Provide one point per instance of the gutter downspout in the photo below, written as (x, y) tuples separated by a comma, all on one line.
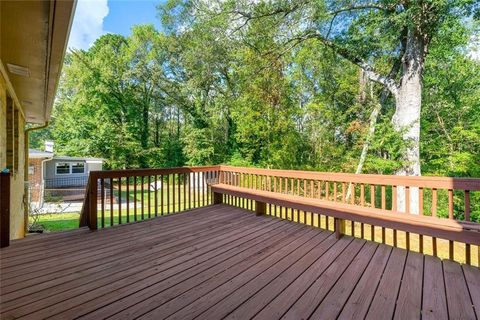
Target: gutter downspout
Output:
[(26, 200)]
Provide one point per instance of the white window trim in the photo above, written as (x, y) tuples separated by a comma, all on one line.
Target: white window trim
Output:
[(70, 168), (84, 167), (63, 174)]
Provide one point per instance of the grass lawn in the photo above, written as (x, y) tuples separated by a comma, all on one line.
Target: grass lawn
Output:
[(59, 221)]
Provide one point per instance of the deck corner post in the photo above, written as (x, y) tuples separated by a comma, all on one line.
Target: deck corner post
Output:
[(260, 208), (92, 210), (217, 198), (339, 228)]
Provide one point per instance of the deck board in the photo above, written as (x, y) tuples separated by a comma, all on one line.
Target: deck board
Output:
[(224, 262)]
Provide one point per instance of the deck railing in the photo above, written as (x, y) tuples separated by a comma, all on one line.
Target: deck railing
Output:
[(115, 197), (123, 196)]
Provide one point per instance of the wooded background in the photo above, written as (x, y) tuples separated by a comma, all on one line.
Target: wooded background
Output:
[(277, 84)]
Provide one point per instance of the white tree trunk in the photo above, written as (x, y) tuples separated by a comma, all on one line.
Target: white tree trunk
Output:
[(407, 117)]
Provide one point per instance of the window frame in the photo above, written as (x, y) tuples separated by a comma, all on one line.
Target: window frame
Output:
[(76, 163), (57, 164)]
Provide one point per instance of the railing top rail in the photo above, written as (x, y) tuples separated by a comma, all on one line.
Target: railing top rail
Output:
[(472, 184), (149, 172)]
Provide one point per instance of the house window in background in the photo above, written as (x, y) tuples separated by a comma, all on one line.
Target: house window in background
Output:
[(62, 168), (78, 167)]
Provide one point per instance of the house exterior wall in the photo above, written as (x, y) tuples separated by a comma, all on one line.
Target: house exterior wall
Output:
[(17, 208), (17, 191), (94, 167), (3, 123)]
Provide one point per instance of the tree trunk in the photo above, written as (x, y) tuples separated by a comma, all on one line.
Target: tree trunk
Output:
[(406, 119), (371, 128)]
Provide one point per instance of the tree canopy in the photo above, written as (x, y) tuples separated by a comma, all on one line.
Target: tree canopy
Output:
[(278, 84)]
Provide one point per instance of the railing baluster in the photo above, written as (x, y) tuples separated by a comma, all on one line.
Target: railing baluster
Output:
[(168, 194), (362, 203), (120, 200), (450, 216), (407, 211), (362, 194), (102, 199), (394, 198), (384, 201), (203, 189), (162, 187), (194, 185), (352, 194), (420, 212), (135, 198), (155, 196), (149, 192), (127, 197), (185, 191), (142, 196), (335, 191), (173, 193), (434, 214), (352, 202), (111, 202), (467, 218)]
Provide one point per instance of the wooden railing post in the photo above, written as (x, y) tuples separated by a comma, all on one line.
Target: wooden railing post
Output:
[(4, 209), (217, 198), (339, 228), (92, 203), (260, 208)]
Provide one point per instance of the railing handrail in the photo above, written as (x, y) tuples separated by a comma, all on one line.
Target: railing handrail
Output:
[(472, 184), (125, 173)]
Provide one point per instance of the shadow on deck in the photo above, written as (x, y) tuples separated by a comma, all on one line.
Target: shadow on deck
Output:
[(224, 262)]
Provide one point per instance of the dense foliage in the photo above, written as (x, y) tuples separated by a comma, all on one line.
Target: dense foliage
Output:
[(214, 89)]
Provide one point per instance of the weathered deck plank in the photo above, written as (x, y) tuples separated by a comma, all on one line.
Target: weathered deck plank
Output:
[(223, 262), (434, 300)]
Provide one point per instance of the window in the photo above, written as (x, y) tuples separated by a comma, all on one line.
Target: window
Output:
[(10, 135), (78, 167), (13, 131), (16, 143), (69, 167), (62, 168)]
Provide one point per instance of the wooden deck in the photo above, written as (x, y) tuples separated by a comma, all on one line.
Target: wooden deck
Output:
[(223, 262)]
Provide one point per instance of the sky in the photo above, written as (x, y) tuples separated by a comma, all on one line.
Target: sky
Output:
[(94, 18)]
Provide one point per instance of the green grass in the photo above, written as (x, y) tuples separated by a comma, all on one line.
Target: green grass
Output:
[(59, 221), (66, 221)]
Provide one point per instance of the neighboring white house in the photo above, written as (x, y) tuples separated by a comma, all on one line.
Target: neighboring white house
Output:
[(48, 171)]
